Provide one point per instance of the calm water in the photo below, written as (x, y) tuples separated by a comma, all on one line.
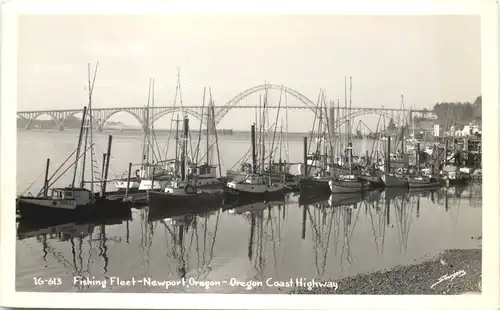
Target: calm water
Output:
[(279, 241)]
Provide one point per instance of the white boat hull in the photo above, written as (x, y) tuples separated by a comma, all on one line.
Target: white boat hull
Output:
[(122, 185)]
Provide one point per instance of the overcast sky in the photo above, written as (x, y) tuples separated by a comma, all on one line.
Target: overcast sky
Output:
[(426, 58)]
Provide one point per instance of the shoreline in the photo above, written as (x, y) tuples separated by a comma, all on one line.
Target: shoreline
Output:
[(463, 266)]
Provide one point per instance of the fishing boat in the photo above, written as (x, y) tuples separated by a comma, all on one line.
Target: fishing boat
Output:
[(153, 172), (65, 203), (184, 192), (314, 185), (277, 174), (423, 181), (255, 186), (394, 180), (347, 184), (315, 162), (389, 178), (373, 178)]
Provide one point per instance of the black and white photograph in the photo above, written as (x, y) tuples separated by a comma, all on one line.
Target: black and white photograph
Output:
[(255, 154)]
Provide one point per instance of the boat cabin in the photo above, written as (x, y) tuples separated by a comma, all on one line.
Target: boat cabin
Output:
[(203, 171), (177, 187), (312, 157), (81, 195), (254, 179)]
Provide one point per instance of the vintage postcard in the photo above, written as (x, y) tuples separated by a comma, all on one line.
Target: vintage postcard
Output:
[(215, 155)]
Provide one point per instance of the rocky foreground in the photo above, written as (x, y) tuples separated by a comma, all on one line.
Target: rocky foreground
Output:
[(462, 269)]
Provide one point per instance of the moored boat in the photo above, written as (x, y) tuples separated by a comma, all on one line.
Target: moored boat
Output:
[(374, 180), (393, 180), (423, 181), (347, 184), (314, 185), (254, 186), (68, 204)]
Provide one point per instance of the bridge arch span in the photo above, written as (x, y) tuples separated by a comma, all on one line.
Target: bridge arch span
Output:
[(343, 120), (53, 117), (103, 121), (173, 110), (61, 124), (237, 99)]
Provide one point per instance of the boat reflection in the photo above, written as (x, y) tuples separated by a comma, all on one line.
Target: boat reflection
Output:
[(76, 234)]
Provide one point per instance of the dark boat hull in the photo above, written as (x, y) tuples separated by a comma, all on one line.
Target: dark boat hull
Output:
[(347, 186), (375, 181), (315, 186), (232, 194), (394, 181), (102, 208), (425, 183)]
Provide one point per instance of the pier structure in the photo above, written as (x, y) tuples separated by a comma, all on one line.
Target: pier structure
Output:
[(101, 115)]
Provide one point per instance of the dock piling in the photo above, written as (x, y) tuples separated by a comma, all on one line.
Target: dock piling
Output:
[(106, 169), (305, 157), (46, 180), (128, 179)]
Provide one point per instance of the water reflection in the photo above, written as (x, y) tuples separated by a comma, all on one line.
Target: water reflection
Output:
[(336, 236)]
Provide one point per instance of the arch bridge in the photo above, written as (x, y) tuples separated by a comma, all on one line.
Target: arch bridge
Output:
[(102, 115)]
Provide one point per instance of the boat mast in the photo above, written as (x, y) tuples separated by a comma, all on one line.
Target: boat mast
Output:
[(78, 147), (184, 148), (349, 126), (176, 162), (254, 155), (208, 128), (212, 110)]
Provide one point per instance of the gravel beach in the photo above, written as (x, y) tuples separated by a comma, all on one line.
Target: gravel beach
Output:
[(462, 266)]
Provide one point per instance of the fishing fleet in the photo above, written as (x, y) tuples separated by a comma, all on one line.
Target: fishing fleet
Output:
[(193, 180)]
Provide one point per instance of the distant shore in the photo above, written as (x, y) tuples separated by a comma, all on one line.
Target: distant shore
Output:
[(463, 268)]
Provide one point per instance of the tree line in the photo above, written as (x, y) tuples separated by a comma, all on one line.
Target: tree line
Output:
[(456, 114)]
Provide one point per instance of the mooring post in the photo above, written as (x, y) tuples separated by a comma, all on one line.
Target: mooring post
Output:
[(304, 220), (103, 188), (46, 180), (305, 157), (108, 155), (128, 179)]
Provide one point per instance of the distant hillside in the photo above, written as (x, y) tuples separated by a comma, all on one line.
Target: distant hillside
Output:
[(71, 122)]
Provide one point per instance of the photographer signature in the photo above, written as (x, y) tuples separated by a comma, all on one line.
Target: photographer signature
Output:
[(450, 277)]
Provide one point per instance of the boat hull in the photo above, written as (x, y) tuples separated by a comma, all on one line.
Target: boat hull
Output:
[(121, 185), (424, 183), (394, 181), (315, 186), (102, 208), (232, 194), (239, 176), (375, 181), (347, 186)]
